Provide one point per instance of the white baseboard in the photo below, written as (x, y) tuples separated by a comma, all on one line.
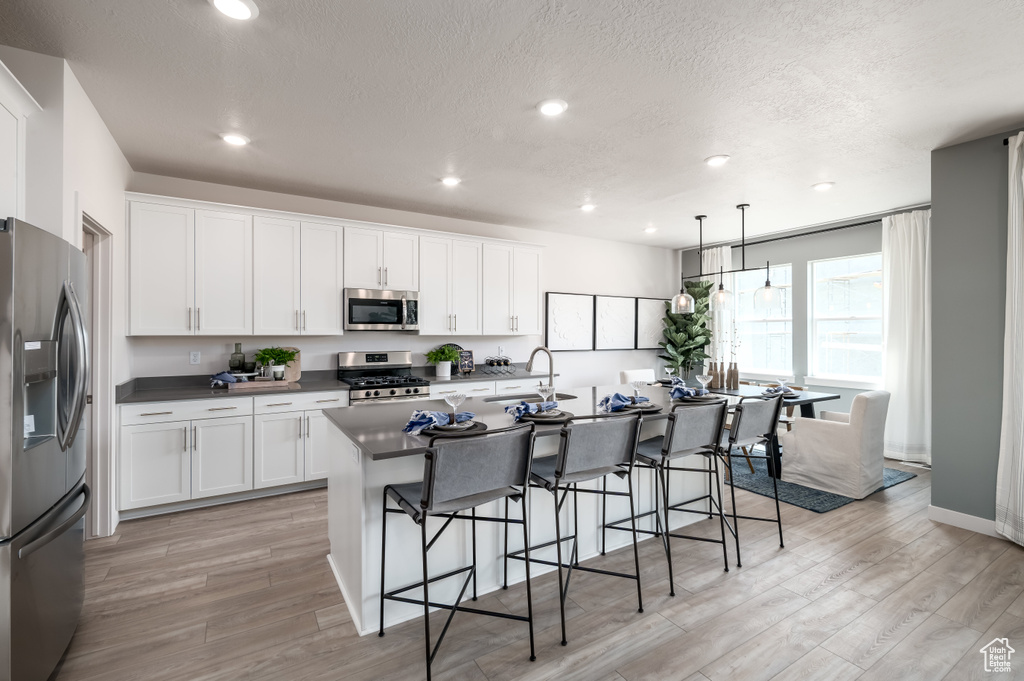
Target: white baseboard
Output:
[(357, 619), (962, 520)]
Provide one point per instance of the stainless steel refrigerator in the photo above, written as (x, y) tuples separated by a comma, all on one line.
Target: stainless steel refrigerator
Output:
[(44, 376)]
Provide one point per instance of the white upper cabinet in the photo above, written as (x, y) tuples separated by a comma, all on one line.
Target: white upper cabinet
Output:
[(512, 295), (435, 314), (16, 105), (322, 281), (526, 294), (497, 313), (277, 269), (161, 270), (401, 261), (364, 258), (467, 287), (223, 273), (381, 259)]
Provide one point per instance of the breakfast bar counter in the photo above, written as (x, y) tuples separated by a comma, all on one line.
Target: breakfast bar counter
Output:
[(368, 451)]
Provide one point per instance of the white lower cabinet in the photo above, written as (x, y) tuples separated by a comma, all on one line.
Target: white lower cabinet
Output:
[(278, 452), (221, 456), (317, 452), (156, 464)]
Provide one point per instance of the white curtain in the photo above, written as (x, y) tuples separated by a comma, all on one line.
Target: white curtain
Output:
[(712, 261), (906, 277), (1010, 476)]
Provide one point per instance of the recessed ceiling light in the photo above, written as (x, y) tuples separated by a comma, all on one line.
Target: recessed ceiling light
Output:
[(450, 181), (237, 9), (235, 139), (719, 160), (587, 207), (553, 107), (823, 186), (651, 229)]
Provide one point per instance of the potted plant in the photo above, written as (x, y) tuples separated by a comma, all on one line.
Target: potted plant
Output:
[(276, 357), (442, 357), (688, 335)]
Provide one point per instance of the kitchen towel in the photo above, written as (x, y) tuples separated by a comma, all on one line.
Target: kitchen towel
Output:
[(223, 378), (422, 419), (678, 392), (617, 402), (518, 410)]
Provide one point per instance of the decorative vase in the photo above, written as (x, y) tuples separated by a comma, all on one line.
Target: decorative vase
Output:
[(723, 375), (237, 360), (293, 372), (443, 369), (734, 376), (714, 375)]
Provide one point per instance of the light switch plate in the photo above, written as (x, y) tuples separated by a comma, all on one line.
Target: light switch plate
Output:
[(193, 357)]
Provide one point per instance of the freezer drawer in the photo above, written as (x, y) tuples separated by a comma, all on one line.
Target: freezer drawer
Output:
[(41, 590)]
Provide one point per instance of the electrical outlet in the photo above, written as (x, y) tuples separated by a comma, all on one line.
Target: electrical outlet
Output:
[(193, 357)]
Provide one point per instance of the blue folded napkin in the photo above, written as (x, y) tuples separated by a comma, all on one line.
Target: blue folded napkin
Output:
[(422, 419), (680, 391), (778, 390), (223, 378), (519, 410), (618, 402), (678, 382)]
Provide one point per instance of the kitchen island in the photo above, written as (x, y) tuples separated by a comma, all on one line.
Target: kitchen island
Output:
[(368, 450)]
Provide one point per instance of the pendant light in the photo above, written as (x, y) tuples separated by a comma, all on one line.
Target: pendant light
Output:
[(683, 303), (721, 300), (768, 297)]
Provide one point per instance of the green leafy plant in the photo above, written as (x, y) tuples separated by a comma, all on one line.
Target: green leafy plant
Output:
[(443, 353), (279, 356), (688, 335)]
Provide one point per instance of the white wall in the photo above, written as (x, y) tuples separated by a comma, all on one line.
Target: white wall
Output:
[(570, 264)]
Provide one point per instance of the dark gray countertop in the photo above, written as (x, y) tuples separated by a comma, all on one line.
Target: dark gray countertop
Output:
[(377, 428), (174, 388)]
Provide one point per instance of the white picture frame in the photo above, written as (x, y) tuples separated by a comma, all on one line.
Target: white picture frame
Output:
[(649, 325), (614, 323), (570, 322)]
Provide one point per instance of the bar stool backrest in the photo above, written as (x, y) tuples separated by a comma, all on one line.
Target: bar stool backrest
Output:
[(592, 447), (755, 420), (464, 467), (695, 427)]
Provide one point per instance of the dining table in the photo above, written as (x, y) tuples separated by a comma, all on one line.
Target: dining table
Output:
[(805, 399)]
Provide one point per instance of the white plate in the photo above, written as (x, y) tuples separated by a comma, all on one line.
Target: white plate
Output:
[(550, 414), (456, 427)]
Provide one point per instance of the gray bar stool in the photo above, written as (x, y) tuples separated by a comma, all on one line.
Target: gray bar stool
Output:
[(753, 423), (460, 474), (590, 448), (691, 430)]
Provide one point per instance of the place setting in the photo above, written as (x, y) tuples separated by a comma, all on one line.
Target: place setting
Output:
[(617, 402), (448, 424), (544, 412), (781, 389), (680, 392)]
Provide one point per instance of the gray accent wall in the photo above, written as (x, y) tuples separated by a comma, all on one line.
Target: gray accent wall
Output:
[(969, 204), (798, 252)]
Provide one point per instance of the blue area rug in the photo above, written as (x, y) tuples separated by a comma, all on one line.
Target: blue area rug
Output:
[(815, 500)]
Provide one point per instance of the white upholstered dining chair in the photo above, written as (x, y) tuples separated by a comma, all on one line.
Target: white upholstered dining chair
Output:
[(630, 375), (837, 452)]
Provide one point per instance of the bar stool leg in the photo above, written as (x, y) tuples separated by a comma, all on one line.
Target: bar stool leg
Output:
[(529, 592), (636, 551), (575, 559), (710, 508), (604, 510), (558, 552), (426, 594), (473, 523), (735, 520), (775, 484), (667, 535), (505, 560), (383, 548), (721, 510)]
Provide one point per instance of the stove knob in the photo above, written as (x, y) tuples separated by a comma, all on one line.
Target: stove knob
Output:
[(416, 390), (368, 394), (408, 391), (393, 391), (376, 393)]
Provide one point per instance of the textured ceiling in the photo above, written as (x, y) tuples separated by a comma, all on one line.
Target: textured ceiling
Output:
[(372, 101)]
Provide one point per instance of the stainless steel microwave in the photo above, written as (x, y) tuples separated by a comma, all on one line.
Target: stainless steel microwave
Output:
[(373, 310)]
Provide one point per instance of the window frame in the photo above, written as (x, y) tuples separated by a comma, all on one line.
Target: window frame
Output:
[(766, 373)]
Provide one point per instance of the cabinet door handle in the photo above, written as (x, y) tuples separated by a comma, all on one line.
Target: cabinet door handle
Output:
[(512, 387), (307, 426), (511, 323), (480, 390), (275, 404), (385, 276), (296, 320), (378, 276), (197, 320), (190, 319), (221, 408), (456, 321), (300, 427), (193, 438), (303, 320), (446, 392), (184, 439), (336, 399), (156, 413)]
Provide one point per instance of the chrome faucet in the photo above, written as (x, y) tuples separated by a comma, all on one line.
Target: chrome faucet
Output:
[(551, 363)]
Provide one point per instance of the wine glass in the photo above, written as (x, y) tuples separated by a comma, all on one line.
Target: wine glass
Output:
[(782, 384), (545, 391), (454, 401), (704, 380), (668, 372), (637, 385)]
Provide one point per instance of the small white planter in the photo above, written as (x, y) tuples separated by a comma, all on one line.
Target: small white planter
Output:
[(443, 369)]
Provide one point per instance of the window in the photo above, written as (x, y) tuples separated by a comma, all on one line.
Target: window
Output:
[(846, 318), (765, 338)]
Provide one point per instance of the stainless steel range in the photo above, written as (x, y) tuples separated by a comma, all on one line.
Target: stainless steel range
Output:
[(381, 376)]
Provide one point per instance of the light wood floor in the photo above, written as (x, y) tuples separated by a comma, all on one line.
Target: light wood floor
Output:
[(873, 590)]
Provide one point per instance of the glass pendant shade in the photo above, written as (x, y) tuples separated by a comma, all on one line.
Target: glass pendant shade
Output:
[(768, 297), (721, 299), (683, 303)]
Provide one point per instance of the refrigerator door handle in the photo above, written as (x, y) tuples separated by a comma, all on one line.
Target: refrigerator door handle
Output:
[(78, 395), (52, 534)]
